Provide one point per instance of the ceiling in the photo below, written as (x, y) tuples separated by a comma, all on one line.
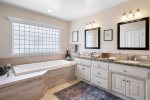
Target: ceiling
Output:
[(65, 9)]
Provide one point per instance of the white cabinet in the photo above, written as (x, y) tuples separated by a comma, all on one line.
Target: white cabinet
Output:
[(83, 72), (135, 88), (99, 74), (99, 82), (118, 83), (131, 87)]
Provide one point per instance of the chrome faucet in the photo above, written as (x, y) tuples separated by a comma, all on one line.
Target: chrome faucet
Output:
[(92, 54)]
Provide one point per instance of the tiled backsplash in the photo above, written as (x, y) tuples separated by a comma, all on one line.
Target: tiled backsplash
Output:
[(30, 59)]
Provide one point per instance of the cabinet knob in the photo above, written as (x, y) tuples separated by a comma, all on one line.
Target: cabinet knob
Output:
[(125, 71), (99, 73), (98, 82), (123, 80)]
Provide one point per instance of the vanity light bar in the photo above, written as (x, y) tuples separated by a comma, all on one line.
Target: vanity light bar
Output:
[(131, 15)]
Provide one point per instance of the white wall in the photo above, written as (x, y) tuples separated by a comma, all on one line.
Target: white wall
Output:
[(108, 19), (6, 30)]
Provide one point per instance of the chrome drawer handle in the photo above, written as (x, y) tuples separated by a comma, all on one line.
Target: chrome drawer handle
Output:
[(128, 81), (98, 82), (83, 68), (125, 71), (99, 73)]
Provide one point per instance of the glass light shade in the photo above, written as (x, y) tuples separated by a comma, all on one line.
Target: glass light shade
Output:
[(138, 13), (90, 25), (94, 24), (130, 16), (124, 17), (87, 26)]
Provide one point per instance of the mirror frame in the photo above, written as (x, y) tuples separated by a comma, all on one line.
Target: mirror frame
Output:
[(146, 32), (97, 41)]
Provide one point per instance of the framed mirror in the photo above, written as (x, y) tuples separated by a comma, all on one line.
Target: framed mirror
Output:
[(92, 38), (134, 35)]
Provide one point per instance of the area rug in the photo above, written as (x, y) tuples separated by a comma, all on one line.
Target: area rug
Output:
[(84, 91)]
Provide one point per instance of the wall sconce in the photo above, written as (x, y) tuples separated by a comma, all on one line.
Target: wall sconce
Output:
[(131, 15), (91, 24)]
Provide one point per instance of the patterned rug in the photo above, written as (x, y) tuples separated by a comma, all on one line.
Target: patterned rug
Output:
[(84, 91)]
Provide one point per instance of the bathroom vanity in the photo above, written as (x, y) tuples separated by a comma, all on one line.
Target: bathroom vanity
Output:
[(128, 80)]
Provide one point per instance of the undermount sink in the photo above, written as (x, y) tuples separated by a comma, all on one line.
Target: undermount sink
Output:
[(128, 61)]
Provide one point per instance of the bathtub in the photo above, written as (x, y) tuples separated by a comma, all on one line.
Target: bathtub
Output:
[(40, 66)]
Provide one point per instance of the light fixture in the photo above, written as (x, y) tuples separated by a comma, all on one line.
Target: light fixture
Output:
[(91, 24), (138, 13), (87, 26), (49, 10), (124, 17), (130, 16)]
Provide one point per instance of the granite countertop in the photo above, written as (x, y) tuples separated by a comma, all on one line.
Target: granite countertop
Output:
[(139, 64)]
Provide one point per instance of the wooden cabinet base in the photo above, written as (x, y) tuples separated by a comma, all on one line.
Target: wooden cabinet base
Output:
[(35, 88)]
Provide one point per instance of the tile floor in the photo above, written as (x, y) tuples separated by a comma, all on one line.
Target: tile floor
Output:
[(50, 93)]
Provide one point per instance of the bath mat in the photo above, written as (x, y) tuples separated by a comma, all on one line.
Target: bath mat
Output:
[(84, 91)]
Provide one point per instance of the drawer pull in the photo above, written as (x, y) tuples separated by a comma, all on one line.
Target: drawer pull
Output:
[(125, 71), (99, 73), (83, 68), (123, 80), (128, 81), (98, 82)]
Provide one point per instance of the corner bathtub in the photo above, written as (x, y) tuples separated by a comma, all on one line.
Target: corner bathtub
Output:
[(35, 67)]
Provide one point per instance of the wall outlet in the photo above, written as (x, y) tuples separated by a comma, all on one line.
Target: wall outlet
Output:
[(144, 57)]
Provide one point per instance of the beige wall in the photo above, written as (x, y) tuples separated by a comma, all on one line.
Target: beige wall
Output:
[(108, 19), (6, 30)]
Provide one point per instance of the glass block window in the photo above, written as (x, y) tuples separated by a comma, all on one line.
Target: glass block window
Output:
[(34, 39)]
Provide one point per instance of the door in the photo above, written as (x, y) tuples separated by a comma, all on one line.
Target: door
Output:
[(135, 88), (118, 83)]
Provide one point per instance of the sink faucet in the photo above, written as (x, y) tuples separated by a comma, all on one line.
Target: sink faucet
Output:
[(131, 57), (92, 54)]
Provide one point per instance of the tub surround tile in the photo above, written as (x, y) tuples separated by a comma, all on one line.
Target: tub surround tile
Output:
[(30, 59), (12, 79)]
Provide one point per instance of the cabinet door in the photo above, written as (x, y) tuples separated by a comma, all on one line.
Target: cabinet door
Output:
[(135, 88), (80, 71), (83, 72), (87, 73), (118, 83)]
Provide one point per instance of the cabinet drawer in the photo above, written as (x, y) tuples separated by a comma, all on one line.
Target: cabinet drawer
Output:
[(101, 65), (99, 82), (130, 70), (99, 73), (83, 61)]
